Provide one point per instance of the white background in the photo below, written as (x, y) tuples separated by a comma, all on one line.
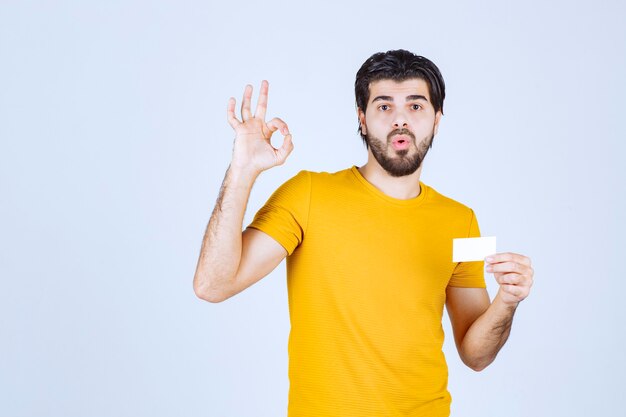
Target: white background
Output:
[(114, 143)]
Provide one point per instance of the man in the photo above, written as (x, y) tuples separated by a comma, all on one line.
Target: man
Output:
[(369, 255)]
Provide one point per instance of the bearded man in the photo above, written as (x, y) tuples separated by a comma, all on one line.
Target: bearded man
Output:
[(369, 255)]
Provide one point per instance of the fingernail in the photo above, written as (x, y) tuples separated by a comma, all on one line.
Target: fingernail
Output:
[(488, 259)]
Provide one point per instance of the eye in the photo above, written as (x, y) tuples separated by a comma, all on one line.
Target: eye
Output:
[(384, 107), (416, 106)]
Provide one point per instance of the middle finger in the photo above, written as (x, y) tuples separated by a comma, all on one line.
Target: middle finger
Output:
[(261, 106), (245, 103)]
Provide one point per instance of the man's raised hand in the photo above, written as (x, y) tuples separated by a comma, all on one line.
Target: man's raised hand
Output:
[(253, 151)]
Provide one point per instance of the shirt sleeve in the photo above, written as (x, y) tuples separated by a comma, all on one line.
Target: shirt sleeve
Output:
[(284, 216), (469, 274)]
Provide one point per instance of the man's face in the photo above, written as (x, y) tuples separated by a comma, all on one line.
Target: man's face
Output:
[(399, 124)]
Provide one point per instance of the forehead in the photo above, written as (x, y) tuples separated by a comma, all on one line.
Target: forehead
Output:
[(398, 89)]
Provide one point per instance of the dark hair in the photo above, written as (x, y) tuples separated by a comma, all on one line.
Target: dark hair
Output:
[(398, 65)]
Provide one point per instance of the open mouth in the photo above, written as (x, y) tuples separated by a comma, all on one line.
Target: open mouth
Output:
[(400, 142)]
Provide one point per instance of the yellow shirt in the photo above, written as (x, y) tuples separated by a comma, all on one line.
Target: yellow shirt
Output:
[(367, 277)]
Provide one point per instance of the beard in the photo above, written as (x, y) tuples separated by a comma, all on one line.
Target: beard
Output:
[(402, 163)]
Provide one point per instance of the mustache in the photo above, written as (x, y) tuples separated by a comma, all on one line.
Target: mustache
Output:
[(405, 132)]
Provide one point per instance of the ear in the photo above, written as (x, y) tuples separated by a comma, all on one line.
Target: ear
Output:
[(437, 119), (361, 117)]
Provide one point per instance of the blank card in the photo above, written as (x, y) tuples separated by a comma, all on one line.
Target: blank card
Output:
[(473, 248)]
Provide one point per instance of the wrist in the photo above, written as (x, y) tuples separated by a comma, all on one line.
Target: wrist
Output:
[(242, 173), (504, 304)]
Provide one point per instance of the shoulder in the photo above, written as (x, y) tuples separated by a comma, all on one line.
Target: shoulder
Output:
[(321, 178), (300, 186), (329, 176), (457, 217), (446, 204)]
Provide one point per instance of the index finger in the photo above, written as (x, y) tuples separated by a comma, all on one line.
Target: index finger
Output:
[(261, 105), (508, 257)]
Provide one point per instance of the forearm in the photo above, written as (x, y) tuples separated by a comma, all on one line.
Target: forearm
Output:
[(220, 258), (220, 254), (487, 334)]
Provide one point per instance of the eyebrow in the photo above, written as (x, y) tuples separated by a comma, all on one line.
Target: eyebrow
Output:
[(408, 98)]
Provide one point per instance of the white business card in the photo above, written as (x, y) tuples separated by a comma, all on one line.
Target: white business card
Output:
[(473, 248)]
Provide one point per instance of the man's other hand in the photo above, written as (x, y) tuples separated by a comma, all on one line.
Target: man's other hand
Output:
[(514, 274)]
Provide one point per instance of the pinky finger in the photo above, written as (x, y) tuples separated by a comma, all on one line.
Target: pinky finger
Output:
[(230, 114)]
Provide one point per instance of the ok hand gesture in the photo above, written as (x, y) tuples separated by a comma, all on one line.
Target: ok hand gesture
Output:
[(253, 151)]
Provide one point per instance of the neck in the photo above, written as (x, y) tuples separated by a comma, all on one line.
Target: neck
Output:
[(402, 188)]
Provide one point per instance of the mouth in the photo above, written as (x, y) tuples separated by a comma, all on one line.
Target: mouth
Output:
[(401, 142)]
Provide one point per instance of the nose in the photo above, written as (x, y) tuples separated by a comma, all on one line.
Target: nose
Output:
[(400, 120)]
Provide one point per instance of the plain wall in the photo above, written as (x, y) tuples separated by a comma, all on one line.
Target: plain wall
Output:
[(114, 142)]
